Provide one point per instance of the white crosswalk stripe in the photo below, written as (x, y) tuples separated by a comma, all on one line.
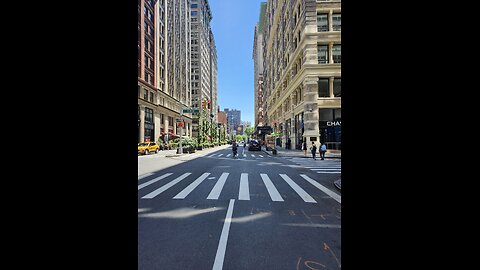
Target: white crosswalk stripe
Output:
[(220, 155), (319, 166), (153, 181), (252, 155), (243, 188), (191, 187), (145, 175), (228, 155), (261, 156), (330, 193), (244, 192), (217, 189), (276, 197), (153, 194), (302, 193)]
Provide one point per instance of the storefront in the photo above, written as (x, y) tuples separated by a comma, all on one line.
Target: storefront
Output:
[(330, 126)]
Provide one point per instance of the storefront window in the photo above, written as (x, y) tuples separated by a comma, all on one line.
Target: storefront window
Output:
[(330, 127), (337, 87)]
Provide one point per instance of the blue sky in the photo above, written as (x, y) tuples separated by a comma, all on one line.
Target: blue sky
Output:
[(233, 24)]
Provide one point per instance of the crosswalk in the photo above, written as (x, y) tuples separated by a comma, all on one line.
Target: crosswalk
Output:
[(239, 155), (319, 166), (243, 181)]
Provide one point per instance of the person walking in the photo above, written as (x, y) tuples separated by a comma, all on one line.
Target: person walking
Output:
[(234, 149), (323, 150), (313, 148), (304, 148)]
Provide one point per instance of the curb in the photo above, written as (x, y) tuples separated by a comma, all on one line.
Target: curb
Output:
[(338, 184)]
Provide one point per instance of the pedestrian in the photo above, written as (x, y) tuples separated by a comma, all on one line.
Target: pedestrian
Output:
[(313, 148), (289, 143), (234, 148), (323, 150), (304, 148)]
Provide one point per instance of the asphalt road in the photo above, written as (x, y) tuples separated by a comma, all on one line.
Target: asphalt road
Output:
[(250, 212)]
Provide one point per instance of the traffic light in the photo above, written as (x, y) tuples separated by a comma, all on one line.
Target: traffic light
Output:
[(208, 105), (204, 104)]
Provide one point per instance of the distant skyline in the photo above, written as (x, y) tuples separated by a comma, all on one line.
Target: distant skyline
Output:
[(233, 25)]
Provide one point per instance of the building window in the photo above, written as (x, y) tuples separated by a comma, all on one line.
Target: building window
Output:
[(194, 13), (139, 91), (337, 87), (148, 115), (151, 97), (322, 22), (337, 21), (145, 94), (170, 121), (162, 118), (323, 88), (194, 5), (337, 53), (322, 54)]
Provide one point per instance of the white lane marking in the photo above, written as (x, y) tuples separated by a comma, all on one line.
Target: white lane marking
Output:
[(260, 155), (326, 169), (302, 193), (252, 155), (317, 167), (220, 155), (153, 180), (330, 226), (228, 155), (244, 155), (276, 197), (166, 186), (212, 155), (222, 244), (191, 187), (145, 175), (217, 189), (329, 172), (330, 193), (244, 193)]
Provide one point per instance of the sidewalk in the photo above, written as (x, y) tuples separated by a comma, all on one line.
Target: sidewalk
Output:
[(282, 152), (173, 153)]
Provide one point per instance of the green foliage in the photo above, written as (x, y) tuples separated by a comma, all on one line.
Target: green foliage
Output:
[(249, 131)]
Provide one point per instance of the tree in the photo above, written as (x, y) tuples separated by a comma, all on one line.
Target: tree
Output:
[(249, 131)]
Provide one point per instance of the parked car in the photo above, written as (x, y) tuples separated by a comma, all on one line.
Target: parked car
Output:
[(146, 147), (254, 145)]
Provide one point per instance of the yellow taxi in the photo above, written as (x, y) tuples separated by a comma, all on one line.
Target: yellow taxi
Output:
[(146, 148)]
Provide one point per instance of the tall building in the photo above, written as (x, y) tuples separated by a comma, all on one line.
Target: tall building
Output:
[(233, 119), (213, 78), (204, 62), (163, 68), (178, 58), (302, 70), (258, 67)]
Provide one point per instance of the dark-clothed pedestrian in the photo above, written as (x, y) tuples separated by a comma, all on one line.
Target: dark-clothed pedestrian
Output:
[(234, 149), (304, 148), (313, 148)]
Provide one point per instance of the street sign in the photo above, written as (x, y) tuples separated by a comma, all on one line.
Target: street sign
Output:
[(179, 120)]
